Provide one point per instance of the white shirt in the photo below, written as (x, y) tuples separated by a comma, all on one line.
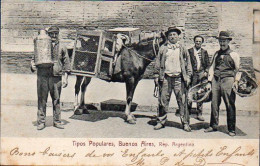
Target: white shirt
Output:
[(172, 62), (196, 54)]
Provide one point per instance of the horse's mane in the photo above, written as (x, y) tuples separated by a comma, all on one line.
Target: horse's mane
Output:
[(142, 44)]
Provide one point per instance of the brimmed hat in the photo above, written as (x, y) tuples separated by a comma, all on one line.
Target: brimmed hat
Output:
[(53, 29), (224, 35), (173, 29)]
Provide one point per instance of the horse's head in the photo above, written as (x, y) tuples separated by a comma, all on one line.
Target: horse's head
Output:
[(121, 40), (155, 39), (159, 39), (148, 45)]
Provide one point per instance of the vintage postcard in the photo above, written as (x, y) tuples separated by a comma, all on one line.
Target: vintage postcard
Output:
[(130, 83)]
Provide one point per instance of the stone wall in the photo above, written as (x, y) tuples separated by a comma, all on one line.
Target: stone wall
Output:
[(22, 19)]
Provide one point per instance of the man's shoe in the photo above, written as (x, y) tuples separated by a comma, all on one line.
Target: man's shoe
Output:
[(41, 126), (187, 128), (232, 134), (200, 118), (158, 126), (210, 129), (59, 126)]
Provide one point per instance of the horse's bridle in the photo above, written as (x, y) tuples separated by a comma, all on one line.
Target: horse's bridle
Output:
[(155, 42)]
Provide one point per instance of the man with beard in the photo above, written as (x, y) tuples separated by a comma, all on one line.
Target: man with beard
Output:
[(49, 79)]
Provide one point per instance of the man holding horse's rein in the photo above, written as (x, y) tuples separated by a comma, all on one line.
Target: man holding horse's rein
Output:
[(173, 71), (49, 79)]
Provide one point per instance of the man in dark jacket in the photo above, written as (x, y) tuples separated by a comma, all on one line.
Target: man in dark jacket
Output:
[(173, 72), (49, 79), (200, 65), (223, 75)]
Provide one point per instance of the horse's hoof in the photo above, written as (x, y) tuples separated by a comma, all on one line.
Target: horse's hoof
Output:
[(131, 121), (77, 112), (133, 117)]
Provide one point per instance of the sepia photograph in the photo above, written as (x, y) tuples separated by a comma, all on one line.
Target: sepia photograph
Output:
[(130, 83)]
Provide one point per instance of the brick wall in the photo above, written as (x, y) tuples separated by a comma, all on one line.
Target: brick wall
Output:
[(21, 20)]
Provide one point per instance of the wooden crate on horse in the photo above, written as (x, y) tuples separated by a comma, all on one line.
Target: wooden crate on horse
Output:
[(93, 54), (132, 33)]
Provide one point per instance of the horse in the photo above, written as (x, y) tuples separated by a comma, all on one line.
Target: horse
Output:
[(134, 60)]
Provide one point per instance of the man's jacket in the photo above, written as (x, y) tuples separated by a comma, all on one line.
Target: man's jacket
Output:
[(186, 68), (236, 60), (204, 60)]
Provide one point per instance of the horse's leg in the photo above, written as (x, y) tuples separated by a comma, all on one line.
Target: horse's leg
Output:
[(77, 89), (130, 88), (86, 81)]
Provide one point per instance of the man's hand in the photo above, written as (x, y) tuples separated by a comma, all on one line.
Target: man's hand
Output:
[(235, 84)]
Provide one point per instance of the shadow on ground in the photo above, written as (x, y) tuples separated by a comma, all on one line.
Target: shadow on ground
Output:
[(196, 126), (96, 115), (223, 129)]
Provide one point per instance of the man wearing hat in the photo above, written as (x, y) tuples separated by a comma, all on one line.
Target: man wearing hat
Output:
[(49, 79), (173, 71), (200, 65), (223, 75)]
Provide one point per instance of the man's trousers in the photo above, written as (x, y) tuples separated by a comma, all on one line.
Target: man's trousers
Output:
[(196, 79), (177, 85), (46, 83), (223, 87)]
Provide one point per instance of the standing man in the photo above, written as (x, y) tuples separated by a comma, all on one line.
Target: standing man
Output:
[(49, 79), (223, 75), (173, 72), (200, 66)]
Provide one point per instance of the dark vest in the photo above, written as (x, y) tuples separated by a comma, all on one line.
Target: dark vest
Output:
[(224, 65), (55, 51)]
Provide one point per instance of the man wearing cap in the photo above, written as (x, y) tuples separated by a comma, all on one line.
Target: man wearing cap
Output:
[(173, 71), (49, 79), (200, 65), (223, 75)]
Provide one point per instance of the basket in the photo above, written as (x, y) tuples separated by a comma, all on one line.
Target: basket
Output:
[(247, 86), (199, 93)]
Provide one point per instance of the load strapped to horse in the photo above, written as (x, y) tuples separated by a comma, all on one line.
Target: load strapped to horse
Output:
[(92, 54), (96, 52)]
